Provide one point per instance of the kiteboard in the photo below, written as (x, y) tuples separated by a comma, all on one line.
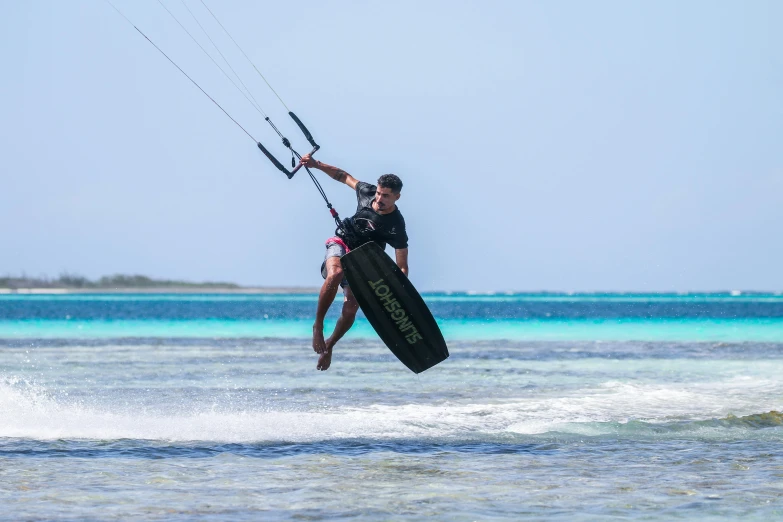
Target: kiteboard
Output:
[(394, 308)]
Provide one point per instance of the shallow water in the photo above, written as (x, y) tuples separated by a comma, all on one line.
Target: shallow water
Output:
[(608, 407)]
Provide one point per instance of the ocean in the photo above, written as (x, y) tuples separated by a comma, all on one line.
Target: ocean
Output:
[(551, 407)]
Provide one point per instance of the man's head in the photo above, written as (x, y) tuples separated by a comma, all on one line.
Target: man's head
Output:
[(388, 192)]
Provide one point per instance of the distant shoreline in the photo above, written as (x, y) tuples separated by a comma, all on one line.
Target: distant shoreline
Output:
[(304, 290), (163, 290)]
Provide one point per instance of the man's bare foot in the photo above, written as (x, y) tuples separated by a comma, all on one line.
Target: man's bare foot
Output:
[(319, 344), (324, 361)]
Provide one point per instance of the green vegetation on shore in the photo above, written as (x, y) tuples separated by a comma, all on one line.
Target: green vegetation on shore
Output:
[(106, 282)]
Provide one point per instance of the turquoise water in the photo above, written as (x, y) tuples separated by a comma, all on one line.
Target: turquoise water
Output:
[(728, 330), (556, 407), (643, 317)]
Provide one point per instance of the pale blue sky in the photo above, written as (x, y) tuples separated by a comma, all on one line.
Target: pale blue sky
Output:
[(579, 146)]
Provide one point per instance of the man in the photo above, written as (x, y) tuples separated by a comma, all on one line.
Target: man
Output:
[(377, 219)]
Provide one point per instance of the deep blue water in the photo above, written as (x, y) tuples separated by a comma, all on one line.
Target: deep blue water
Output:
[(443, 306)]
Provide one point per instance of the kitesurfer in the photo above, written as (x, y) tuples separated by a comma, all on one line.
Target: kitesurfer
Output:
[(377, 219), (403, 322)]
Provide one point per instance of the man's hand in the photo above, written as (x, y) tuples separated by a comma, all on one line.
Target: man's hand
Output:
[(333, 172), (308, 161)]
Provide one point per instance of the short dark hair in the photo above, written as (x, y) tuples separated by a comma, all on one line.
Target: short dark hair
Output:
[(390, 181)]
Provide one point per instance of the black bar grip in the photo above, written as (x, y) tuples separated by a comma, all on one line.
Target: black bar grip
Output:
[(279, 165), (304, 130)]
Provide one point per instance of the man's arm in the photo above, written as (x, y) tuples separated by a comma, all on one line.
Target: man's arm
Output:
[(333, 172), (402, 259)]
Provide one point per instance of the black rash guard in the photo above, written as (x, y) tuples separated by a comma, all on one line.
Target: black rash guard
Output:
[(368, 225)]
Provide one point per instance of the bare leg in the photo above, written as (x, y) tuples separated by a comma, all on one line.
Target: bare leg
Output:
[(344, 323), (334, 274)]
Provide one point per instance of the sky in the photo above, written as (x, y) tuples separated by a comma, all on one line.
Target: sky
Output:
[(543, 145)]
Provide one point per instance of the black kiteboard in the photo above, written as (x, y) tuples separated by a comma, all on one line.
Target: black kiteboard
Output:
[(394, 308)]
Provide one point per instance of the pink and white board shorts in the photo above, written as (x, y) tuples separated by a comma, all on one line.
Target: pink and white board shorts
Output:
[(335, 247)]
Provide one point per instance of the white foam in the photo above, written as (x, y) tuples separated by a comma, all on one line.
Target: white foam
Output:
[(30, 412), (618, 402)]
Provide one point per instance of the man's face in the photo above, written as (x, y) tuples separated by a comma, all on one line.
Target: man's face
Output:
[(385, 198)]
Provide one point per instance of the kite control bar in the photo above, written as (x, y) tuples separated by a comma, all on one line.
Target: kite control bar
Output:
[(294, 165)]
